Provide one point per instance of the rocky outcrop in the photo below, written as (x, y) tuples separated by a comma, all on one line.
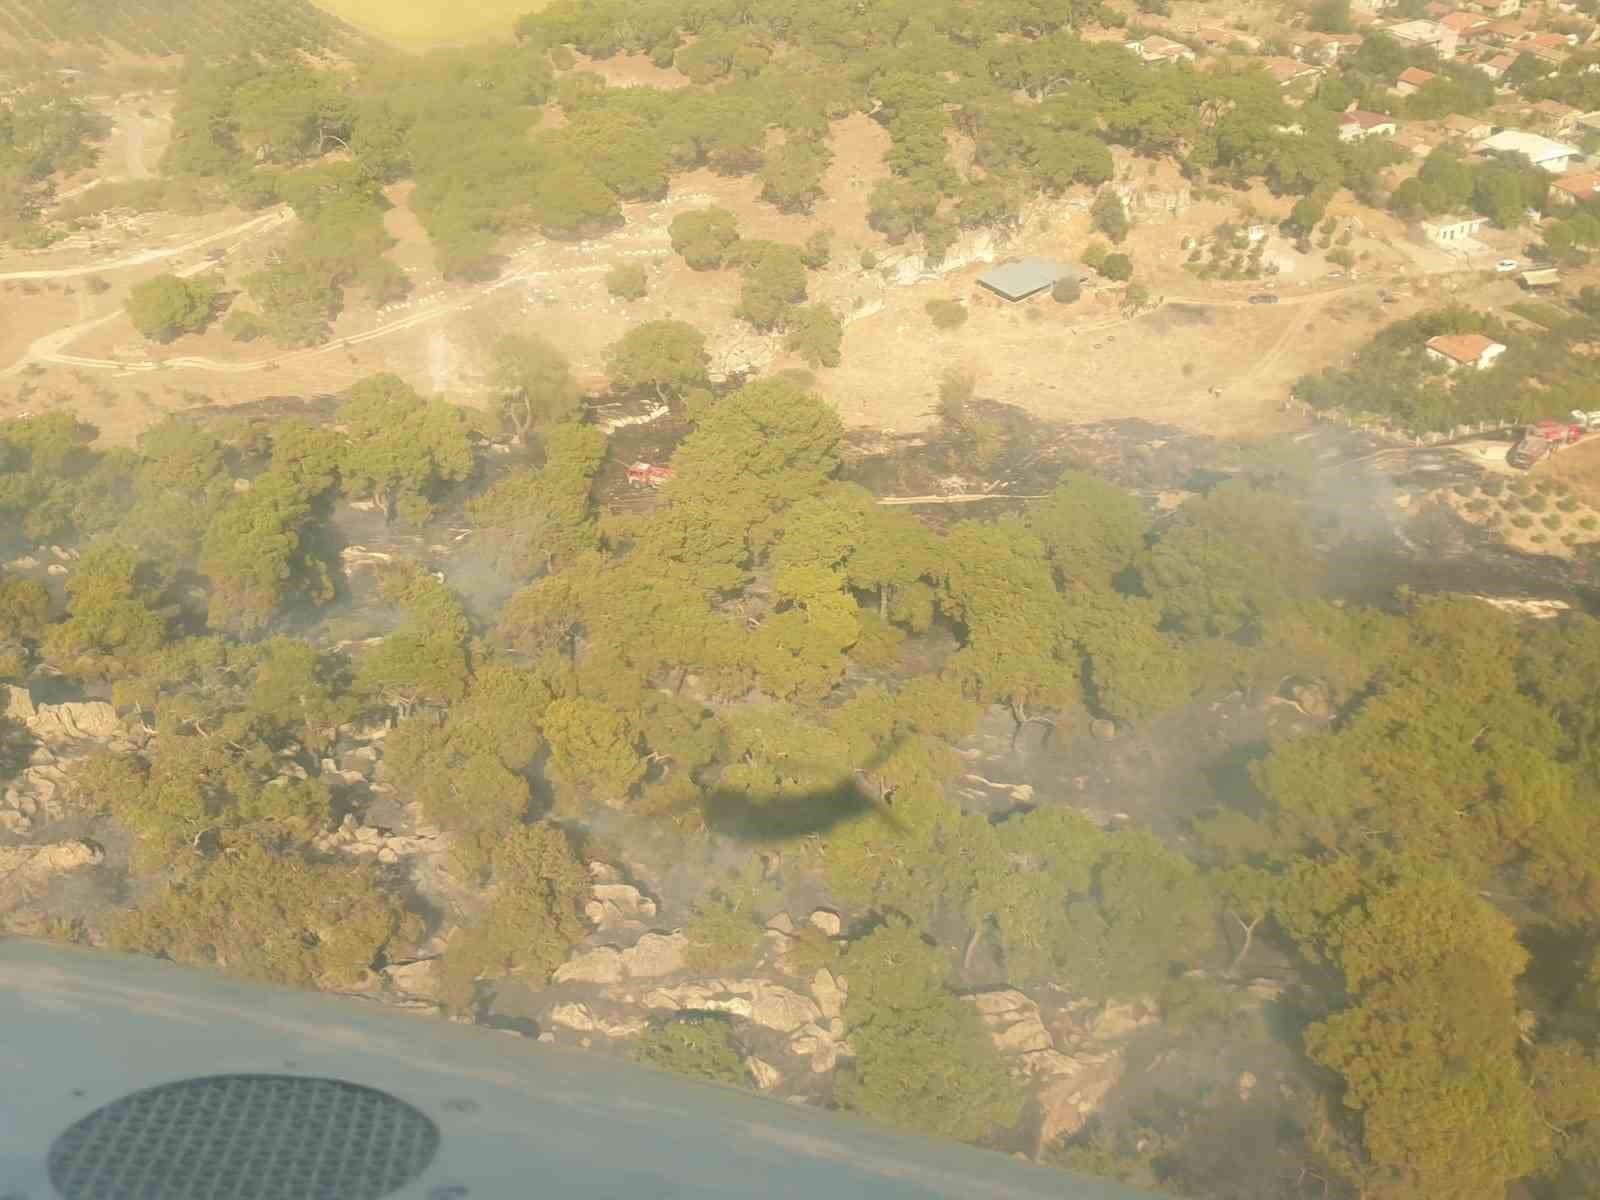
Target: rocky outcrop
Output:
[(1070, 1087), (601, 965), (655, 955), (613, 904), (829, 991), (369, 842), (92, 720), (25, 871), (763, 1074), (827, 921), (768, 1005), (416, 979), (580, 1018)]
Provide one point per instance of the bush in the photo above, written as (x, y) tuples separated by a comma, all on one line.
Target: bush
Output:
[(96, 285), (699, 1047), (1118, 267), (1567, 504), (722, 936), (946, 314), (165, 307), (1464, 490), (1552, 522), (1066, 291), (1522, 521), (869, 259), (1493, 487), (1537, 502), (626, 281), (1588, 524)]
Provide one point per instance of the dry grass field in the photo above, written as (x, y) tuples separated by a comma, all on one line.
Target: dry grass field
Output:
[(424, 24)]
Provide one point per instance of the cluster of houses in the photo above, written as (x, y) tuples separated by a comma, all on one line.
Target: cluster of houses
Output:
[(1487, 35)]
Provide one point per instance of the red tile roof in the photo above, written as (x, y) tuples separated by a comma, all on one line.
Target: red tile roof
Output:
[(1582, 185), (1462, 347), (1367, 120), (1417, 76)]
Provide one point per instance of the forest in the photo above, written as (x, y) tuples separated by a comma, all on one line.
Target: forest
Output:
[(764, 680), (764, 659)]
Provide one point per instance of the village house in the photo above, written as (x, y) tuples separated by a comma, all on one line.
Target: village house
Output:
[(1562, 117), (1287, 71), (1227, 39), (1496, 67), (1464, 23), (1543, 152), (1464, 350), (1415, 144), (1498, 8), (1356, 125), (1450, 229), (1473, 129), (1575, 188), (1372, 6), (1505, 32), (1324, 48), (1412, 80), (1153, 48), (1428, 35)]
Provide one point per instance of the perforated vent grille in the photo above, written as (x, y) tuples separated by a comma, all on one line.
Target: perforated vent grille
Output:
[(245, 1137)]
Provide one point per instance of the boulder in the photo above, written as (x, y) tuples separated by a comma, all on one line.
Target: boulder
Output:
[(1066, 1103), (1022, 1036), (828, 993), (699, 997), (775, 1007), (1118, 1019), (26, 870), (414, 979), (625, 900), (93, 720), (654, 955), (828, 921), (603, 965), (580, 1018), (765, 1075), (1104, 730), (782, 923), (995, 1004)]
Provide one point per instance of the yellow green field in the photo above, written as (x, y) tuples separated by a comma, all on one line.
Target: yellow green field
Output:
[(421, 24)]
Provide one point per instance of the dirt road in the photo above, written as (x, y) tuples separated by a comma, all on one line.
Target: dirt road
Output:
[(256, 225)]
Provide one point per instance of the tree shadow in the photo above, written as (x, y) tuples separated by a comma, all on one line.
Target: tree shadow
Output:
[(784, 816)]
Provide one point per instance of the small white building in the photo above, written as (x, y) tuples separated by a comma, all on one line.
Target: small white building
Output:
[(1441, 39), (1356, 125), (1446, 230), (1551, 155), (1464, 350), (1153, 48)]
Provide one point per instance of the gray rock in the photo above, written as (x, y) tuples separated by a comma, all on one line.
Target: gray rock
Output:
[(782, 923), (765, 1075), (603, 965), (828, 921), (580, 1018), (414, 979), (778, 1008), (828, 993), (655, 955), (25, 871), (699, 997)]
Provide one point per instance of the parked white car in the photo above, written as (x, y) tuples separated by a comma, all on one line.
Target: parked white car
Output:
[(1506, 265)]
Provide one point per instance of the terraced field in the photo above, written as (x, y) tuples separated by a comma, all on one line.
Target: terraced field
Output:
[(421, 24), (163, 27)]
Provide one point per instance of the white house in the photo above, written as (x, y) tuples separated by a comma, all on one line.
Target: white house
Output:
[(1541, 151), (1445, 230), (1429, 34), (1464, 350), (1154, 48), (1355, 125)]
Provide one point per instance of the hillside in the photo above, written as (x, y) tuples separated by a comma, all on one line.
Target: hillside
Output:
[(168, 27), (427, 23)]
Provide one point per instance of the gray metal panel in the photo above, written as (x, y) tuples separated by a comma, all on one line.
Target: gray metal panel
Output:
[(1019, 279), (517, 1119)]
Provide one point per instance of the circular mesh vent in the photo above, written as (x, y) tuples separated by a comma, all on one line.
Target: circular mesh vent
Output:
[(245, 1137)]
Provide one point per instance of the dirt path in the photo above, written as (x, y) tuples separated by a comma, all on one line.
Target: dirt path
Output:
[(137, 168), (252, 227)]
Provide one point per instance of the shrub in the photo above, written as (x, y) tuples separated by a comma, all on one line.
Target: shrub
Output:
[(1493, 487), (1118, 267), (626, 281), (946, 314), (699, 1047), (1464, 490), (1567, 504), (1537, 502), (869, 259), (1066, 291), (1552, 522), (1522, 520), (1588, 523)]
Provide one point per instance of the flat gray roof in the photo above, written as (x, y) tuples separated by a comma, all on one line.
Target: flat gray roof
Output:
[(1019, 280)]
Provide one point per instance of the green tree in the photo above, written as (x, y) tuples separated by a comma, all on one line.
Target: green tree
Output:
[(297, 301), (815, 334), (704, 236), (923, 1061), (255, 555), (534, 381), (403, 450), (667, 356), (530, 926), (1117, 267), (1109, 216), (699, 1047), (791, 179), (111, 620), (774, 281), (593, 747), (270, 917), (167, 306), (627, 281)]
